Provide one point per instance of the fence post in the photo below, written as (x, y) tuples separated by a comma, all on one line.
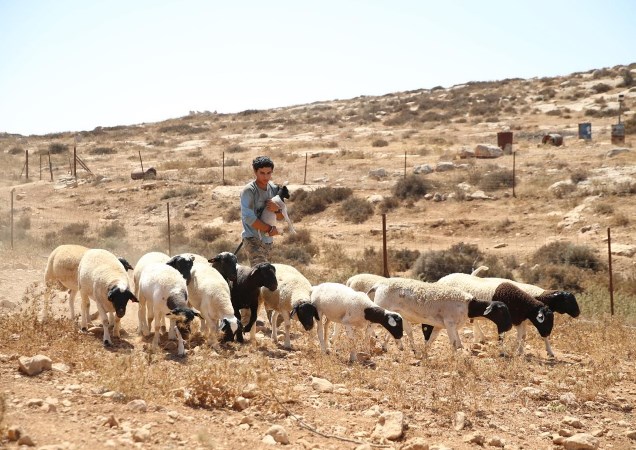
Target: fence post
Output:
[(385, 263), (50, 166), (305, 177), (223, 168), (12, 190), (514, 165), (611, 283), (142, 163), (169, 243), (27, 164), (75, 161), (40, 166)]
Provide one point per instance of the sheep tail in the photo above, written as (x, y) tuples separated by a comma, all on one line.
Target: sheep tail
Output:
[(479, 270)]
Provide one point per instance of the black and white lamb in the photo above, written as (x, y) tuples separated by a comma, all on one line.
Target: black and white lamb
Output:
[(335, 302), (246, 291), (163, 288), (102, 277), (438, 306), (562, 302), (522, 306), (269, 217)]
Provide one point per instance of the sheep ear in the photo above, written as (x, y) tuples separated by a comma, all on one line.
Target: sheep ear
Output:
[(293, 312), (488, 309), (132, 297), (540, 317), (392, 321)]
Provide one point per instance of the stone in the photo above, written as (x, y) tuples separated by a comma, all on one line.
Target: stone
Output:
[(572, 421), (278, 433), (138, 405), (14, 433), (617, 151), (417, 443), (141, 435), (623, 250), (480, 195), (60, 367), (487, 151), (496, 441), (240, 403), (269, 440), (25, 439), (378, 173), (423, 169), (460, 421), (390, 426), (34, 365), (376, 198), (444, 166), (250, 391), (474, 438), (581, 441), (34, 402), (321, 385), (111, 422), (631, 434), (562, 188)]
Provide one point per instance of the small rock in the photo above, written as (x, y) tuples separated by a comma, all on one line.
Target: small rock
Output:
[(460, 421), (113, 395), (250, 391), (417, 443), (474, 438), (141, 435), (573, 422), (631, 434), (14, 433), (25, 439), (278, 433), (321, 385), (137, 405), (390, 426), (581, 441), (61, 367), (34, 365), (496, 441), (269, 440), (34, 402), (241, 403), (111, 422)]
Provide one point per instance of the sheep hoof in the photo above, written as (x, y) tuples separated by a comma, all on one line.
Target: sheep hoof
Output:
[(108, 344)]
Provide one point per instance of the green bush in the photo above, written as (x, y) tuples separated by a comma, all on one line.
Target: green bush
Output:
[(356, 210)]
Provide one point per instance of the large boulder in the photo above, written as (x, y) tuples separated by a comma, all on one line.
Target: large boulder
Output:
[(487, 151)]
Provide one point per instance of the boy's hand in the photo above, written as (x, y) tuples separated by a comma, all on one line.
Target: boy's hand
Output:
[(271, 206)]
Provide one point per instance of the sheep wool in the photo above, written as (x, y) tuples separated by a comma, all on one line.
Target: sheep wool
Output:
[(145, 260), (363, 282), (61, 267)]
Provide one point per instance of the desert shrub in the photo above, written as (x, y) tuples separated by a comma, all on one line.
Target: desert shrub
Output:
[(312, 202), (232, 162), (186, 192), (235, 148), (102, 151), (496, 179), (356, 210), (295, 248), (599, 88), (603, 208), (23, 223), (379, 143), (182, 128), (16, 151), (262, 136), (464, 258), (569, 254), (579, 175), (351, 154), (178, 236), (74, 230), (209, 234), (157, 142), (555, 276), (57, 148), (112, 230), (628, 78), (403, 259), (630, 125), (232, 214), (412, 186), (388, 204), (619, 220), (554, 112)]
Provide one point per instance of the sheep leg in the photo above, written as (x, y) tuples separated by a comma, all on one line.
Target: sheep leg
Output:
[(171, 334), (84, 309), (478, 334), (325, 330), (143, 327), (548, 347), (408, 329), (180, 344), (252, 321), (521, 337), (369, 334), (273, 321), (353, 356), (321, 338), (158, 322), (432, 337), (239, 335), (335, 332), (453, 335), (116, 327), (71, 302), (104, 317), (287, 321)]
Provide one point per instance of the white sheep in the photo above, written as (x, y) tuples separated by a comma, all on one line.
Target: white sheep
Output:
[(363, 282), (437, 305), (61, 267), (164, 290), (293, 290), (144, 261), (102, 277), (210, 294), (522, 306), (335, 302)]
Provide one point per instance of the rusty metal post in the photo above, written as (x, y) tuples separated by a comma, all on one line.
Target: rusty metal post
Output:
[(27, 164), (40, 166), (385, 263), (50, 166), (223, 168), (142, 163), (12, 190), (611, 283), (75, 161), (514, 167), (169, 243), (305, 177)]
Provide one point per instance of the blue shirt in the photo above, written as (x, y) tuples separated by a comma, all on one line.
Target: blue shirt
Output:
[(253, 202)]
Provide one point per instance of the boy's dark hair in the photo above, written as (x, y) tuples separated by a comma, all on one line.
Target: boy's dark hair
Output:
[(262, 161)]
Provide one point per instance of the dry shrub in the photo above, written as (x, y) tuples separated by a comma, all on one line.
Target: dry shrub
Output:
[(603, 208), (16, 151), (568, 254), (183, 128), (187, 192), (388, 204), (209, 234), (235, 148), (464, 258), (232, 214), (356, 210), (57, 148), (619, 220), (313, 202), (295, 248), (112, 230), (496, 179), (380, 143), (579, 175), (102, 151), (412, 186)]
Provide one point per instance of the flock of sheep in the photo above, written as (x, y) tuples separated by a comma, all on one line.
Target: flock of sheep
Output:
[(217, 290)]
